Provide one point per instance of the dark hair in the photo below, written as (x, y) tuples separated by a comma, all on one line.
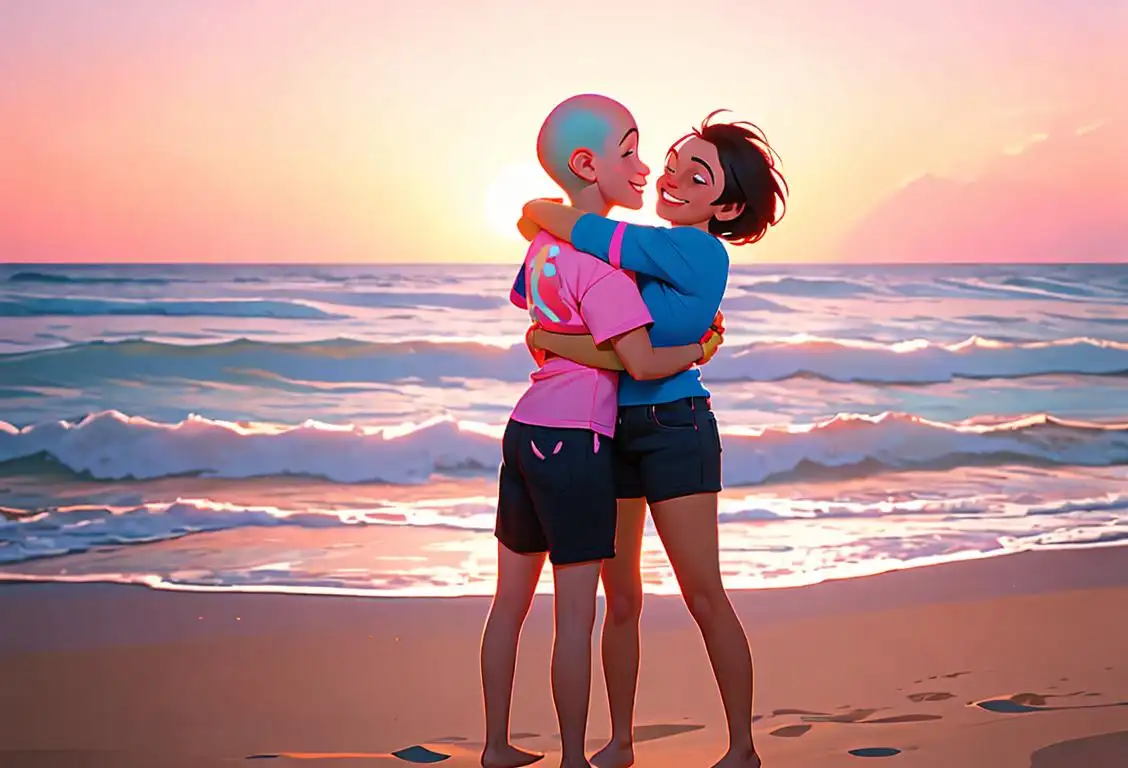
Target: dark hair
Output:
[(751, 178)]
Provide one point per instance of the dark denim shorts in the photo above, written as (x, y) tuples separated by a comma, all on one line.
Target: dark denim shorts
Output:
[(667, 451), (556, 493)]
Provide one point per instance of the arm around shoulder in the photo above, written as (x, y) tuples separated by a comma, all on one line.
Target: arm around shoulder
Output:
[(683, 257), (555, 218)]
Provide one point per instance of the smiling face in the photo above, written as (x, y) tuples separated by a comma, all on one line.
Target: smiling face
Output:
[(692, 180), (588, 144), (618, 171)]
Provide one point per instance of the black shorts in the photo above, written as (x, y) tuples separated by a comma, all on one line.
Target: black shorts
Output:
[(667, 451), (556, 493)]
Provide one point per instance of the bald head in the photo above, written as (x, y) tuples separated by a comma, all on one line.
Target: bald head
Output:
[(588, 121)]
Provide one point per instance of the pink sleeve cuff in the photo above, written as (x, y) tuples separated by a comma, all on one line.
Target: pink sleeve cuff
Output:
[(615, 252)]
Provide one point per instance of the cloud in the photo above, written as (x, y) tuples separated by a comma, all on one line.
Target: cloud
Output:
[(1054, 196)]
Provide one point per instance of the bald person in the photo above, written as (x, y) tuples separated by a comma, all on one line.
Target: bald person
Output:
[(556, 484)]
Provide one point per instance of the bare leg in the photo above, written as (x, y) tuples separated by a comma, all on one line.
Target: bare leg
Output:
[(622, 582), (688, 527), (517, 577), (574, 608)]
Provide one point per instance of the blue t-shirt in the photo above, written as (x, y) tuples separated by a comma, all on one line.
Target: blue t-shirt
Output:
[(681, 273)]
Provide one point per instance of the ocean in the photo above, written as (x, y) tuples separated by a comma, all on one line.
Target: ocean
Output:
[(333, 429)]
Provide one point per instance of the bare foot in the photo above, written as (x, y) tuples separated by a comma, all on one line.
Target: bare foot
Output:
[(614, 755), (508, 756), (741, 759)]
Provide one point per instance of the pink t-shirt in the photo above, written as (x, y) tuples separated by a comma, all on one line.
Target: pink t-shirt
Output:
[(572, 292)]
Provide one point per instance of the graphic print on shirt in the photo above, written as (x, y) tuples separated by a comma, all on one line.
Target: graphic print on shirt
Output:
[(543, 287)]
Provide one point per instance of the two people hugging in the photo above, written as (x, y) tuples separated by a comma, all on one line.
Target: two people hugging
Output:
[(616, 417)]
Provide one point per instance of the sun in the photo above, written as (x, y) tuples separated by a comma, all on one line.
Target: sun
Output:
[(514, 186)]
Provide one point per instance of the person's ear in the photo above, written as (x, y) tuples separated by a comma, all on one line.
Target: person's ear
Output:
[(582, 163), (729, 211)]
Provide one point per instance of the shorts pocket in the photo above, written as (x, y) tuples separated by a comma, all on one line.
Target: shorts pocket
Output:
[(556, 459), (678, 415), (710, 451), (711, 431)]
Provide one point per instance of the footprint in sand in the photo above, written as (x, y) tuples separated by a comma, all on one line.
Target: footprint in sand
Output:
[(863, 716), (853, 717), (795, 731), (417, 754), (949, 676), (917, 698), (874, 752), (1022, 703)]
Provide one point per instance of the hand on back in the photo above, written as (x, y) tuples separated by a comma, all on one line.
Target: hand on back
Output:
[(713, 339), (539, 355)]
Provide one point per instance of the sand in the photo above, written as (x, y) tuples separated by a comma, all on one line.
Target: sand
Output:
[(94, 675)]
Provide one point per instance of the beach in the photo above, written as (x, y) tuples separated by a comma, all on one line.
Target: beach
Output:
[(102, 674), (247, 512)]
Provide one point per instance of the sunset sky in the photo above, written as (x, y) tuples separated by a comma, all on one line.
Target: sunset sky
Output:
[(389, 130)]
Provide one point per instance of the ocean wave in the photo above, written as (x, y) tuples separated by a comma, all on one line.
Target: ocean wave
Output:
[(916, 361), (38, 306), (113, 446), (811, 287), (333, 361), (53, 278), (755, 509), (338, 361), (33, 534), (408, 299), (69, 530)]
